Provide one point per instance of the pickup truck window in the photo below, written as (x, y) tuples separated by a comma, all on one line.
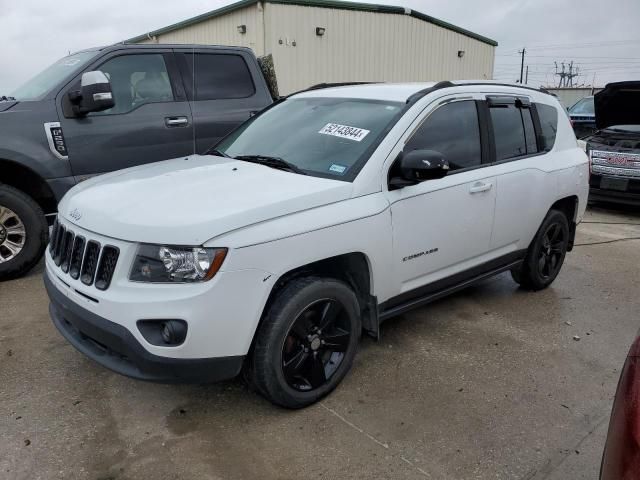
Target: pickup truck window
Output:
[(324, 137), (42, 83), (136, 80), (452, 130), (217, 76)]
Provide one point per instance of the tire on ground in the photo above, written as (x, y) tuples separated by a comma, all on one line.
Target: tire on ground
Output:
[(528, 274), (265, 365), (37, 232)]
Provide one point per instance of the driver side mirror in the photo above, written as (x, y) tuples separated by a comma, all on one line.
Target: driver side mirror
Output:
[(417, 166), (95, 94)]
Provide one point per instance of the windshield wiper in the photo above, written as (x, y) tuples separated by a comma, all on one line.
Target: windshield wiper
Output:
[(273, 162)]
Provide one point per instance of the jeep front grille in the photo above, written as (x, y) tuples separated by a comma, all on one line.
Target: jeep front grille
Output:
[(83, 259)]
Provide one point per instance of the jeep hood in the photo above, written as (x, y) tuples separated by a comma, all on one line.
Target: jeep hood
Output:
[(618, 104), (187, 201)]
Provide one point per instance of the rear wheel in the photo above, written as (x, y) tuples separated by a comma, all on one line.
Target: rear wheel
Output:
[(546, 253), (23, 233), (307, 342)]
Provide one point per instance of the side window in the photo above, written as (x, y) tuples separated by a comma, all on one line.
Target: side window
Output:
[(508, 131), (136, 80), (548, 116), (452, 130), (217, 76), (529, 130)]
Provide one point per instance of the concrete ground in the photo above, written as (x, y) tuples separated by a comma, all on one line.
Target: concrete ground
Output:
[(487, 384)]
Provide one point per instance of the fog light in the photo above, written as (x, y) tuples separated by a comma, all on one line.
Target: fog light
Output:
[(163, 333)]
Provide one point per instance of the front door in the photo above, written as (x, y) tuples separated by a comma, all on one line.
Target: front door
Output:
[(443, 227), (151, 119)]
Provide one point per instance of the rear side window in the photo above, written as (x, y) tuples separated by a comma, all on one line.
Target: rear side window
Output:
[(548, 116), (529, 130), (452, 130), (217, 76), (508, 131)]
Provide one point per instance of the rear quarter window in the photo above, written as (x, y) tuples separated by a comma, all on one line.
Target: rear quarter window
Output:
[(548, 116)]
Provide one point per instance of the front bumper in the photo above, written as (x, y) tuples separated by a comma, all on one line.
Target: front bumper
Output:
[(629, 197), (114, 347)]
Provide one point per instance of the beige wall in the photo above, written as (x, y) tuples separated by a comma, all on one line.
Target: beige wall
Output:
[(367, 46), (569, 96), (357, 46), (222, 30)]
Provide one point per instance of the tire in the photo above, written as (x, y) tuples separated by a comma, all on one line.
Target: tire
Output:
[(546, 253), (20, 213), (294, 363)]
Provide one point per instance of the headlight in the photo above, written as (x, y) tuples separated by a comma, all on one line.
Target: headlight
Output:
[(161, 264)]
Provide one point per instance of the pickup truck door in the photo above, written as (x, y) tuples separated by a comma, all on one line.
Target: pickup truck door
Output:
[(443, 227), (150, 121), (225, 87)]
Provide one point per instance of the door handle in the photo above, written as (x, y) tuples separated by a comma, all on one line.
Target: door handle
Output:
[(176, 121), (478, 187)]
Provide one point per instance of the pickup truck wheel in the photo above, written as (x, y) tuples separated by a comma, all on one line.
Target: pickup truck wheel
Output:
[(546, 253), (23, 233), (307, 341)]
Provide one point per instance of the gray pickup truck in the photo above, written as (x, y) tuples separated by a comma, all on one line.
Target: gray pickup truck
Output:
[(109, 108)]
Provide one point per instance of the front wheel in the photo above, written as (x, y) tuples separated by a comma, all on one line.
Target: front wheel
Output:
[(546, 253), (307, 341), (23, 233)]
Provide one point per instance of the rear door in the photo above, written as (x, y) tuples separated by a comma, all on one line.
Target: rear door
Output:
[(224, 87), (150, 121), (522, 164)]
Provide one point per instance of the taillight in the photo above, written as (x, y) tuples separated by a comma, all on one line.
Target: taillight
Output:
[(622, 451)]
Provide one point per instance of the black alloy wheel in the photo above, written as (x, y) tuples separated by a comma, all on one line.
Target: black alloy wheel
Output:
[(546, 253), (306, 341), (552, 251), (315, 345)]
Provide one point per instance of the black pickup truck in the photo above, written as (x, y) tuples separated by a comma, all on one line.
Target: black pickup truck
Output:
[(108, 108), (614, 149)]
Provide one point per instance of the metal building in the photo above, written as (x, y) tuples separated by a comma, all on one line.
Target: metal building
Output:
[(315, 41)]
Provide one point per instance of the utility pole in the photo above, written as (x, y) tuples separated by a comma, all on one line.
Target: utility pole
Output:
[(526, 76), (523, 51)]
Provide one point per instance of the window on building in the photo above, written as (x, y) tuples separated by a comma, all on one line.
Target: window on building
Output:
[(452, 130)]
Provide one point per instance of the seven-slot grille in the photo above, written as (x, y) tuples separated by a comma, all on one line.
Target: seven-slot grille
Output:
[(81, 258)]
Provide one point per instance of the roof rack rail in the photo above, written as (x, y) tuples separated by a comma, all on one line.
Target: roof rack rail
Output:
[(320, 86), (445, 84), (418, 95)]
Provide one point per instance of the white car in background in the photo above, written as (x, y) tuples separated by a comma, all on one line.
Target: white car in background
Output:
[(327, 213)]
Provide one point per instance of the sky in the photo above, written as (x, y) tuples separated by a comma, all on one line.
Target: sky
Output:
[(601, 37)]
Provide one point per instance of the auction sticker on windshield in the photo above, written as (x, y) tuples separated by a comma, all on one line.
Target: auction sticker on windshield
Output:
[(344, 131)]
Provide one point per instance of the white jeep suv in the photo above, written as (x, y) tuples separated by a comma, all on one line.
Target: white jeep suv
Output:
[(327, 213)]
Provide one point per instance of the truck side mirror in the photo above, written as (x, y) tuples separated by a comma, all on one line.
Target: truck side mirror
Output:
[(417, 166), (95, 94)]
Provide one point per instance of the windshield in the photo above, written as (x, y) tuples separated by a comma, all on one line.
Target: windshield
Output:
[(583, 107), (43, 82), (321, 136)]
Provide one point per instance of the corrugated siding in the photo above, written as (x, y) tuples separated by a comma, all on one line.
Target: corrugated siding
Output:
[(357, 46), (367, 46), (222, 30)]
